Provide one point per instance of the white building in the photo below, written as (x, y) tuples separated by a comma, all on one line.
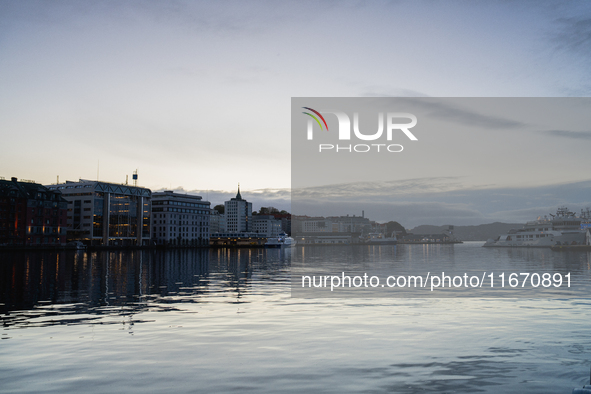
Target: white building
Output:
[(266, 225), (238, 214), (315, 225), (331, 224), (179, 219)]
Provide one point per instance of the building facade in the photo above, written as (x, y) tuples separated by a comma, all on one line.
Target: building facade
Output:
[(180, 219), (238, 214), (101, 213), (31, 214), (266, 225), (426, 239), (331, 230), (217, 222), (246, 239), (285, 219), (326, 238), (331, 224)]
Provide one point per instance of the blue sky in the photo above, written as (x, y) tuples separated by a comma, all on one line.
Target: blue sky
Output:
[(197, 94)]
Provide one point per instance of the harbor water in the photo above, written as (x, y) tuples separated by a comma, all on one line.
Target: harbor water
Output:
[(224, 320)]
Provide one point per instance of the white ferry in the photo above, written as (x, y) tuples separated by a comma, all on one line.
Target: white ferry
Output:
[(564, 228), (282, 240)]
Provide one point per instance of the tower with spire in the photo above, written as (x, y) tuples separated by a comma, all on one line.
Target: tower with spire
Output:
[(238, 195), (238, 214)]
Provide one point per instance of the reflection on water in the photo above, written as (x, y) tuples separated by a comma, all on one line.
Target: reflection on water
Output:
[(93, 282), (476, 272), (189, 321)]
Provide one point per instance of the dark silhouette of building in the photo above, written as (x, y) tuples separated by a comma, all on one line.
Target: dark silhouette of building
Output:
[(31, 214)]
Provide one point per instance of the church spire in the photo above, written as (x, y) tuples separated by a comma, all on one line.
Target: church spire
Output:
[(238, 196)]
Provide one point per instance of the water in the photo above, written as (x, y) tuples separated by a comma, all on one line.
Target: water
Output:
[(437, 271), (189, 321)]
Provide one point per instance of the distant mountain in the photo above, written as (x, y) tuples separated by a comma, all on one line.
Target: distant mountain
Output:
[(470, 233)]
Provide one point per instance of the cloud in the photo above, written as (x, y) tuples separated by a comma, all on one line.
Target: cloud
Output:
[(408, 213), (376, 91), (441, 110), (278, 198), (583, 135), (440, 201), (574, 34), (371, 190)]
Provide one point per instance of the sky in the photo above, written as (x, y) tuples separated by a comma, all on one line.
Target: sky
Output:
[(473, 160), (196, 95)]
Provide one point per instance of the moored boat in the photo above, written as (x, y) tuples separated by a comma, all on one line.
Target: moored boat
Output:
[(282, 240), (563, 228)]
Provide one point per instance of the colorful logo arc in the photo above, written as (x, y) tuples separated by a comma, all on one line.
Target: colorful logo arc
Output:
[(315, 118)]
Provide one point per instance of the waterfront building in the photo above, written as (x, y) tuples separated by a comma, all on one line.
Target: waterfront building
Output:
[(331, 224), (266, 225), (313, 224), (217, 222), (427, 238), (285, 221), (349, 224), (31, 214), (180, 219), (330, 230), (237, 239), (101, 213), (236, 227), (238, 214), (326, 238), (283, 216)]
